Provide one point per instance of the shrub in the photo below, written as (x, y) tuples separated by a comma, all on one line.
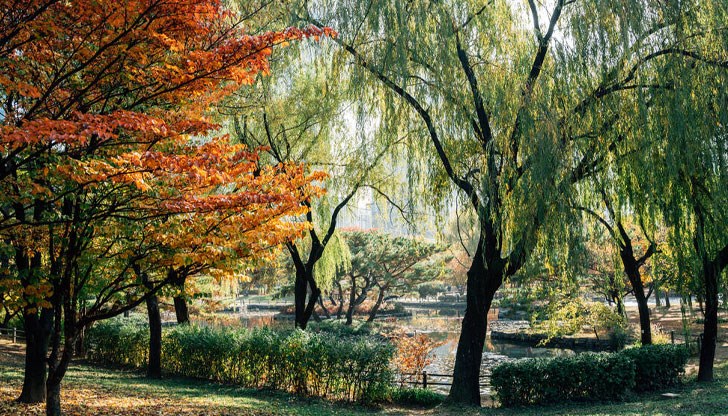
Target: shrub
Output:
[(416, 397), (657, 366), (119, 341), (354, 368), (583, 377)]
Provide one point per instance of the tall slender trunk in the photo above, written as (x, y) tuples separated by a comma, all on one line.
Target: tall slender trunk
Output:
[(352, 302), (154, 367), (658, 299), (37, 340), (482, 284), (667, 299)]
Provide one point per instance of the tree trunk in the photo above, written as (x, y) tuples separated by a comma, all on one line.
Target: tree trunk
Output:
[(658, 300), (375, 308), (710, 325), (154, 367), (667, 299), (57, 366), (352, 302), (340, 309), (37, 339), (482, 284), (631, 269), (53, 402), (323, 307), (181, 310)]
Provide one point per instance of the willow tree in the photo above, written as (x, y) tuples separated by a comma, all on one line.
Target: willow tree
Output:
[(514, 102), (689, 159), (297, 115), (614, 210)]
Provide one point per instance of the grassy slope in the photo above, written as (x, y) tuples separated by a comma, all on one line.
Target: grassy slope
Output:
[(90, 390)]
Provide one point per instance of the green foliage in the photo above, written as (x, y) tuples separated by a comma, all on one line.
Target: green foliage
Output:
[(569, 316), (119, 341), (427, 290), (657, 366), (584, 377), (416, 397), (320, 363)]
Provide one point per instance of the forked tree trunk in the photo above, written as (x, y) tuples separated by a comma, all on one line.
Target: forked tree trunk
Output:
[(632, 270)]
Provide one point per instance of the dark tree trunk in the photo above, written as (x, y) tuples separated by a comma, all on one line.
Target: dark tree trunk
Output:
[(710, 325), (55, 374), (377, 305), (667, 299), (53, 402), (632, 269), (59, 360), (482, 284), (154, 367), (181, 310), (37, 340), (658, 300)]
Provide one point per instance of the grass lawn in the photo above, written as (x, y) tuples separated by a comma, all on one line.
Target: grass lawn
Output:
[(89, 390)]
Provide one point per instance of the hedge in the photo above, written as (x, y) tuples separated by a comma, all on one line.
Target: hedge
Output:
[(657, 366), (583, 377), (588, 376), (310, 363)]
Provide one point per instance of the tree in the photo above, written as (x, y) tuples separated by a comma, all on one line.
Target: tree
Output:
[(688, 161), (100, 101), (299, 117), (390, 265), (513, 116), (632, 262)]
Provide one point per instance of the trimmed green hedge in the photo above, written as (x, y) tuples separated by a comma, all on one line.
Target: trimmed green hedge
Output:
[(657, 366), (583, 377), (310, 363), (588, 376)]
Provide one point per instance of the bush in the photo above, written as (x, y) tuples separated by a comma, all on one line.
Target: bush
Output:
[(657, 366), (354, 368), (119, 341), (584, 377), (416, 397)]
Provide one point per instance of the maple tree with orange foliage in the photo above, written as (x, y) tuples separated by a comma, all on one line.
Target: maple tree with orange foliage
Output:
[(109, 162)]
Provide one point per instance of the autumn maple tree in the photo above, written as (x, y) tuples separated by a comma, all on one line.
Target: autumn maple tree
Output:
[(109, 161)]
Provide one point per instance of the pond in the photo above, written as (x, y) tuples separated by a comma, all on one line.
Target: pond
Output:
[(447, 330)]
